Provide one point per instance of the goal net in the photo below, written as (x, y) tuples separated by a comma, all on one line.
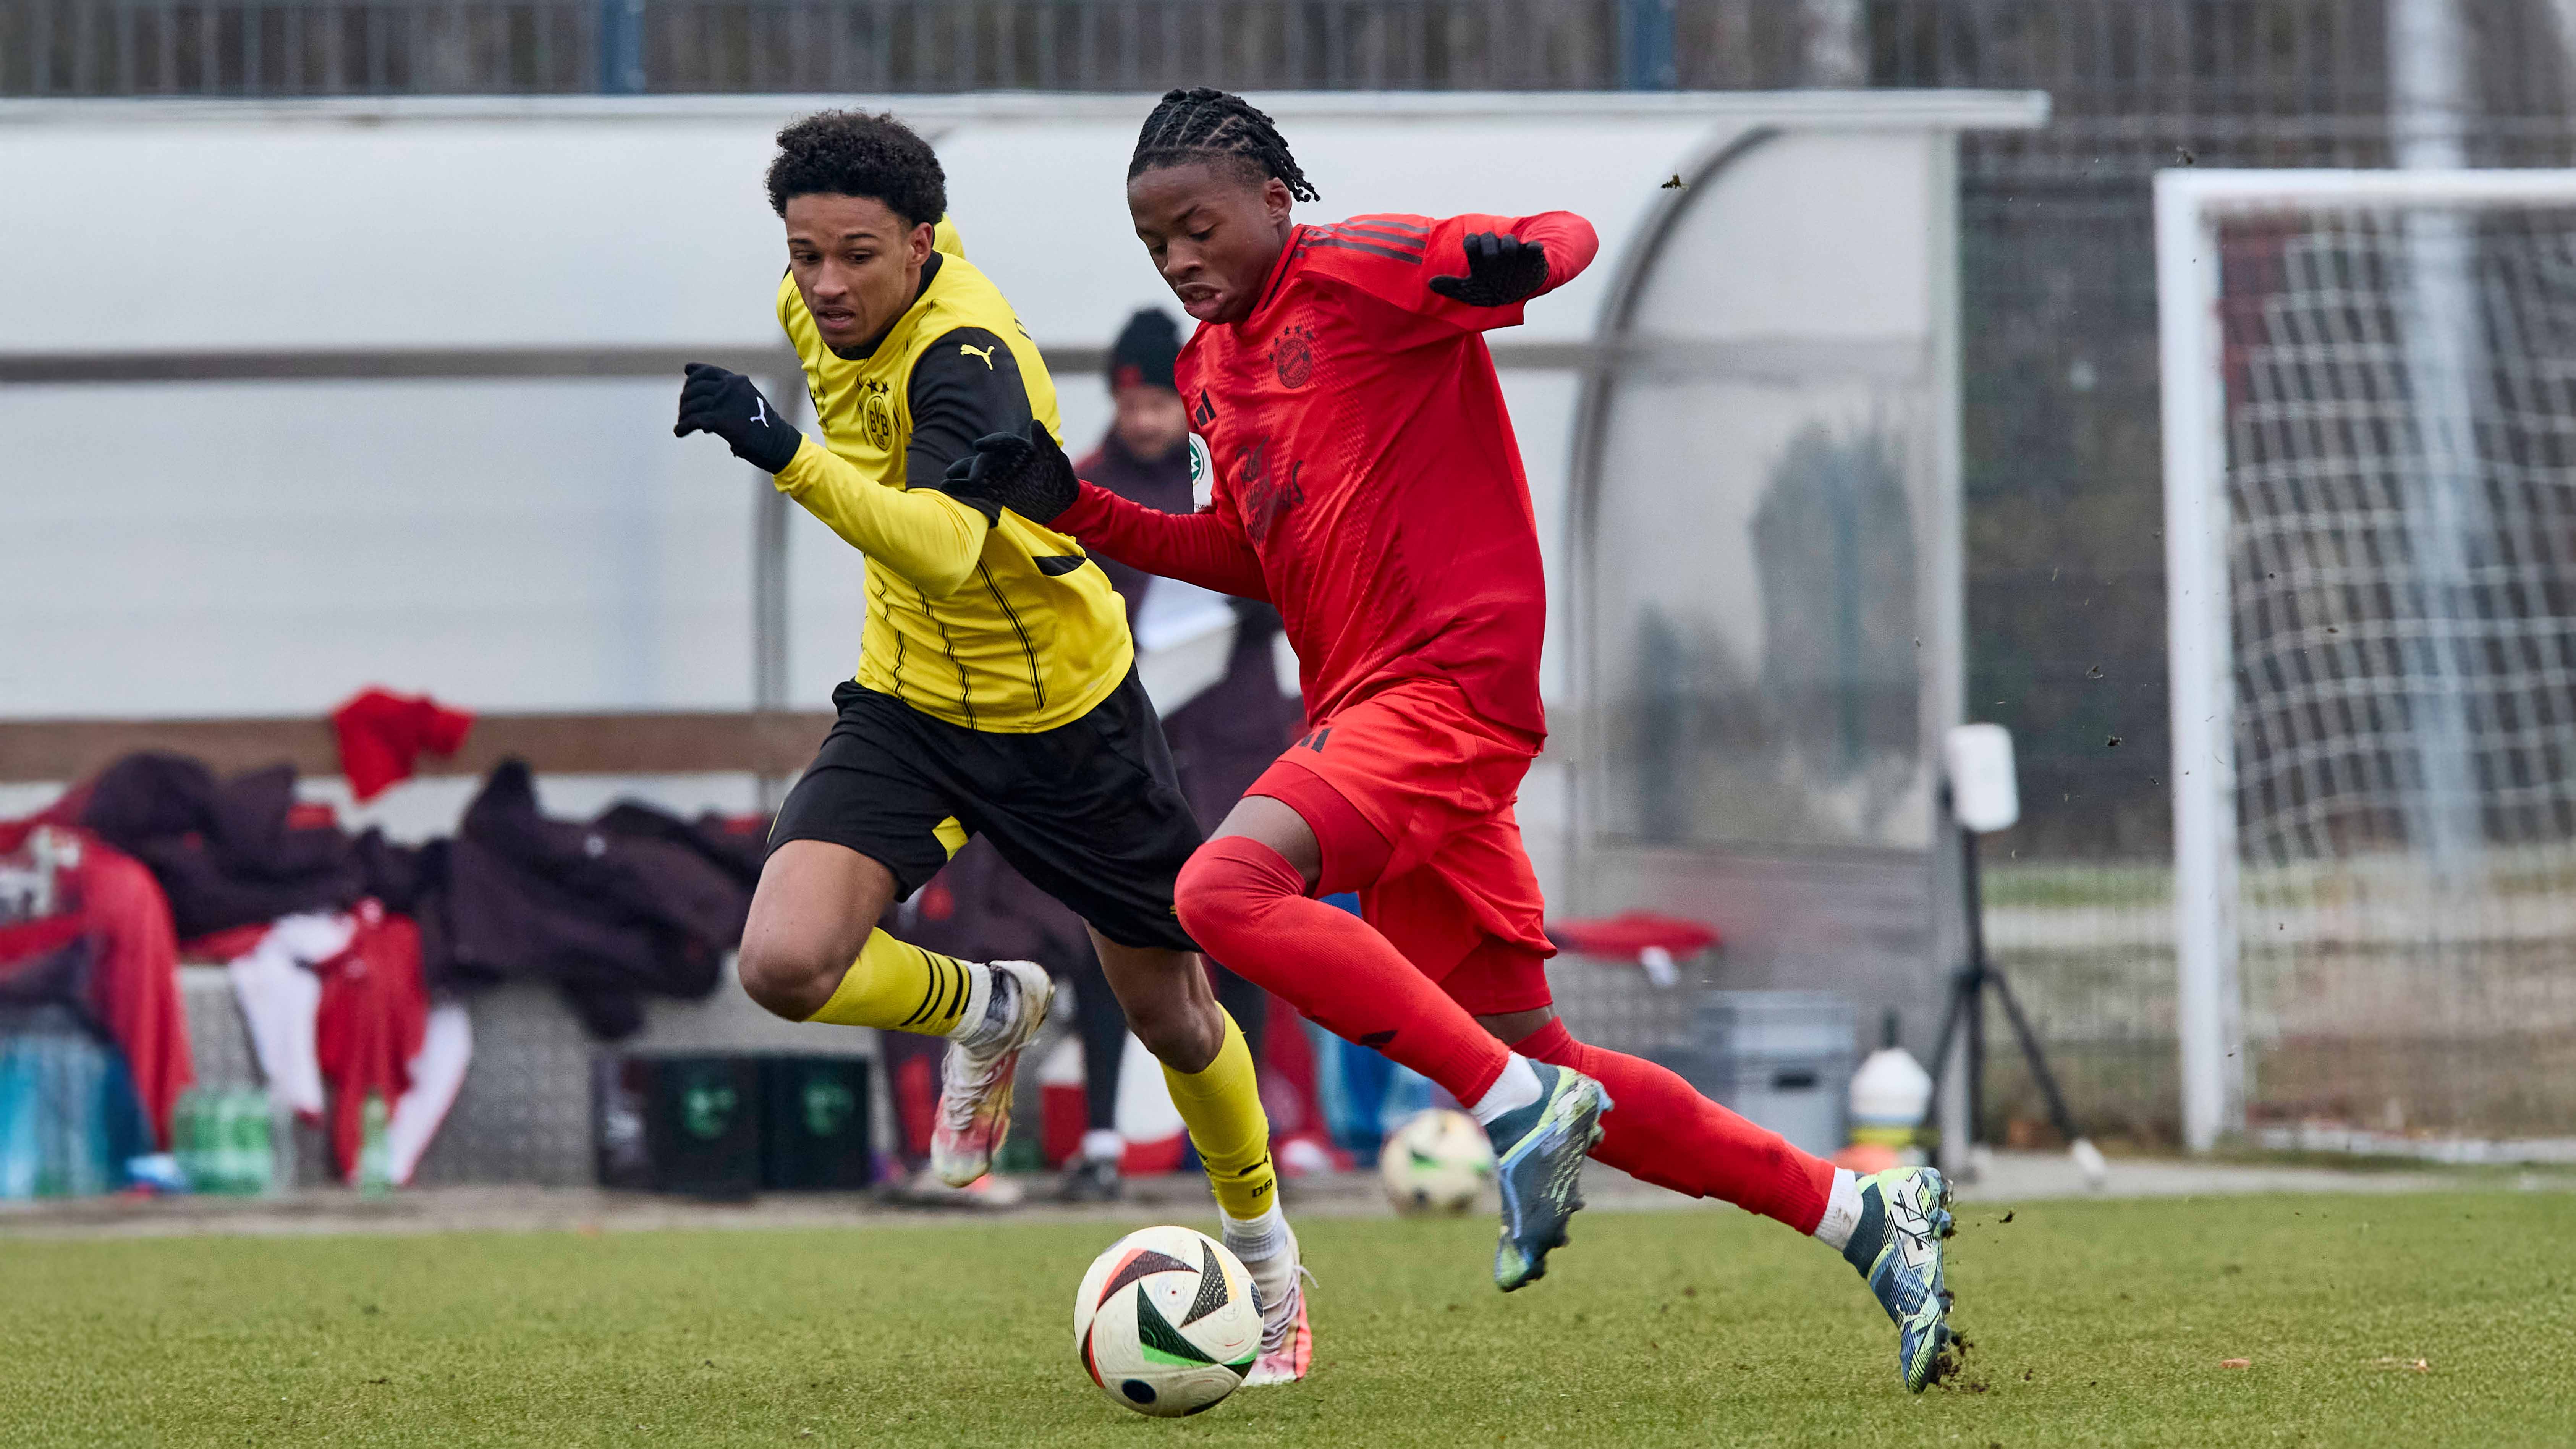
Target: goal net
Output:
[(2370, 416)]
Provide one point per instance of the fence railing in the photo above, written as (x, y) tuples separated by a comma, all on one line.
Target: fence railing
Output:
[(2312, 65)]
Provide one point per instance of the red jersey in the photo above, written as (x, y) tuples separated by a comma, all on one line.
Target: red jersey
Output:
[(1366, 480)]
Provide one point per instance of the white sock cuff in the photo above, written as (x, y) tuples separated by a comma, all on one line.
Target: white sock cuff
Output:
[(1254, 1238), (979, 1001), (1842, 1210), (1516, 1088), (1100, 1144)]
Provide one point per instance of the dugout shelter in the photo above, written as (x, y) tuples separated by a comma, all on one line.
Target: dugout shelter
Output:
[(304, 396)]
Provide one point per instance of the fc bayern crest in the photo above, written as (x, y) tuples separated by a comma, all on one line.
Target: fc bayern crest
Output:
[(1294, 355)]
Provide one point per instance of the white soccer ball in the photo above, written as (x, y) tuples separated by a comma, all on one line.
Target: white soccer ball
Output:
[(1165, 1322), (1439, 1162)]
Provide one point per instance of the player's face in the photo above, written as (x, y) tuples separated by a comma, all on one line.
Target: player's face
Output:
[(1151, 420), (856, 264), (1213, 234)]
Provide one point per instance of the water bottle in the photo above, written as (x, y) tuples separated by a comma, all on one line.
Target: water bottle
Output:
[(229, 1131), (187, 1139), (1889, 1096), (250, 1126), (223, 1110), (375, 1151), (212, 1158)]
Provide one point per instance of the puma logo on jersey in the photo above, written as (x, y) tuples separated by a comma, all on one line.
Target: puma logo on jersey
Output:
[(985, 353)]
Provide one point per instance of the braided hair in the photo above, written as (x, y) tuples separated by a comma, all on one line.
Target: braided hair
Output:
[(1206, 125)]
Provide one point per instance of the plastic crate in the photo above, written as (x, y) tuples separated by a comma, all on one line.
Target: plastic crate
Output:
[(1781, 1059)]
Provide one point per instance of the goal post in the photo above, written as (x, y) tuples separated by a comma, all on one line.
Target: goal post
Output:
[(2369, 433)]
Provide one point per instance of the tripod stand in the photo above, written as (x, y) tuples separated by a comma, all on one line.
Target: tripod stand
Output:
[(1967, 991)]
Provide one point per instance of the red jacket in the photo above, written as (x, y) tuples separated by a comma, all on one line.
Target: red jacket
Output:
[(107, 897)]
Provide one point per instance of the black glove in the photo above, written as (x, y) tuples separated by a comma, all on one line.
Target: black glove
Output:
[(1501, 270), (729, 406), (1025, 472)]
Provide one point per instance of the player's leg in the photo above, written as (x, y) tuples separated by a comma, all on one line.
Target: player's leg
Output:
[(1249, 896), (1248, 1004), (1095, 818), (1889, 1226), (1668, 1134), (1207, 1066), (866, 825)]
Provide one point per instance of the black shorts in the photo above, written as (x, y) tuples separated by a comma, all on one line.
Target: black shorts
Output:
[(1091, 812)]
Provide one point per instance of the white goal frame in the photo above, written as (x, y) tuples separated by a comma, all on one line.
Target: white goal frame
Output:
[(2190, 205)]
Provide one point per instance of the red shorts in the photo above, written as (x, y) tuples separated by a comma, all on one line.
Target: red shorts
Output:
[(1411, 794)]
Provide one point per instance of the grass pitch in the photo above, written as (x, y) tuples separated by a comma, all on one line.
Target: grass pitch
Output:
[(2094, 1322)]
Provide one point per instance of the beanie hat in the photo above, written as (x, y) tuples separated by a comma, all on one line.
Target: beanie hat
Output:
[(1146, 349)]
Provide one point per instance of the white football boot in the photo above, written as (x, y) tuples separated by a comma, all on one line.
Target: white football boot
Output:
[(975, 1077), (1287, 1339)]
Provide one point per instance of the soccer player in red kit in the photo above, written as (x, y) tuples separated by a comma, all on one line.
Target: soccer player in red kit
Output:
[(1364, 479)]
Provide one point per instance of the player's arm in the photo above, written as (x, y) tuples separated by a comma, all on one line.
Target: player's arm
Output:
[(922, 534), (1029, 474), (1473, 273), (1206, 548)]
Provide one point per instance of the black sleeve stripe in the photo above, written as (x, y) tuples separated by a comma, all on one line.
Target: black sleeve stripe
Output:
[(1342, 243), (1391, 238)]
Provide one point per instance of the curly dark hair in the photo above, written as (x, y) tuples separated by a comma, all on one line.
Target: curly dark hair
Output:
[(852, 153), (1204, 124)]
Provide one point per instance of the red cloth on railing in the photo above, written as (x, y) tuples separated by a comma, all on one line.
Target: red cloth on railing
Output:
[(1630, 934), (382, 734)]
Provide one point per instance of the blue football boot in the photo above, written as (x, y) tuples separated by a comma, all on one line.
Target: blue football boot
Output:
[(1905, 1214), (1538, 1162)]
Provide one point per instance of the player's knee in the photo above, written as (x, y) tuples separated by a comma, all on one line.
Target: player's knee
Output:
[(788, 979), (1200, 897), (1183, 1034), (1221, 890)]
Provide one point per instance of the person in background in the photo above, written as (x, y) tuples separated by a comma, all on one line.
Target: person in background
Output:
[(1222, 739)]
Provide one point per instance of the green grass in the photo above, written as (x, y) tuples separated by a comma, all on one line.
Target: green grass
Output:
[(2099, 1322)]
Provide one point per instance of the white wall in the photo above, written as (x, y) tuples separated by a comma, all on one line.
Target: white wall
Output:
[(246, 548)]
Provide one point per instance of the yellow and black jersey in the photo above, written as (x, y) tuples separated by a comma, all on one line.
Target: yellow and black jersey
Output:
[(990, 623)]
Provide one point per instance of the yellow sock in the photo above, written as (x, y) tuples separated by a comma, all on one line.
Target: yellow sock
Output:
[(895, 986), (1222, 1108)]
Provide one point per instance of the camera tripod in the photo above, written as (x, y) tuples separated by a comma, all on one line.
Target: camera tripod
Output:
[(1968, 987)]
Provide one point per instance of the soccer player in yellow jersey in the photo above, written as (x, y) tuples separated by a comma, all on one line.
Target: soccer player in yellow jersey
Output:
[(996, 693)]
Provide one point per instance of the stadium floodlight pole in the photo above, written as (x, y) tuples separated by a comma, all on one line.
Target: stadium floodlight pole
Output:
[(2428, 105)]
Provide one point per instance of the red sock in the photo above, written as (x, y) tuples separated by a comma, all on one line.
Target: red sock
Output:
[(1660, 1130), (1247, 905)]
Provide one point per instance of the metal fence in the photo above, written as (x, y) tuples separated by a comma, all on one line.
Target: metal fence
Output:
[(2278, 76), (2064, 524)]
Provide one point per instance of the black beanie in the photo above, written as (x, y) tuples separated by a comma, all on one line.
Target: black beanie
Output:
[(1146, 349)]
